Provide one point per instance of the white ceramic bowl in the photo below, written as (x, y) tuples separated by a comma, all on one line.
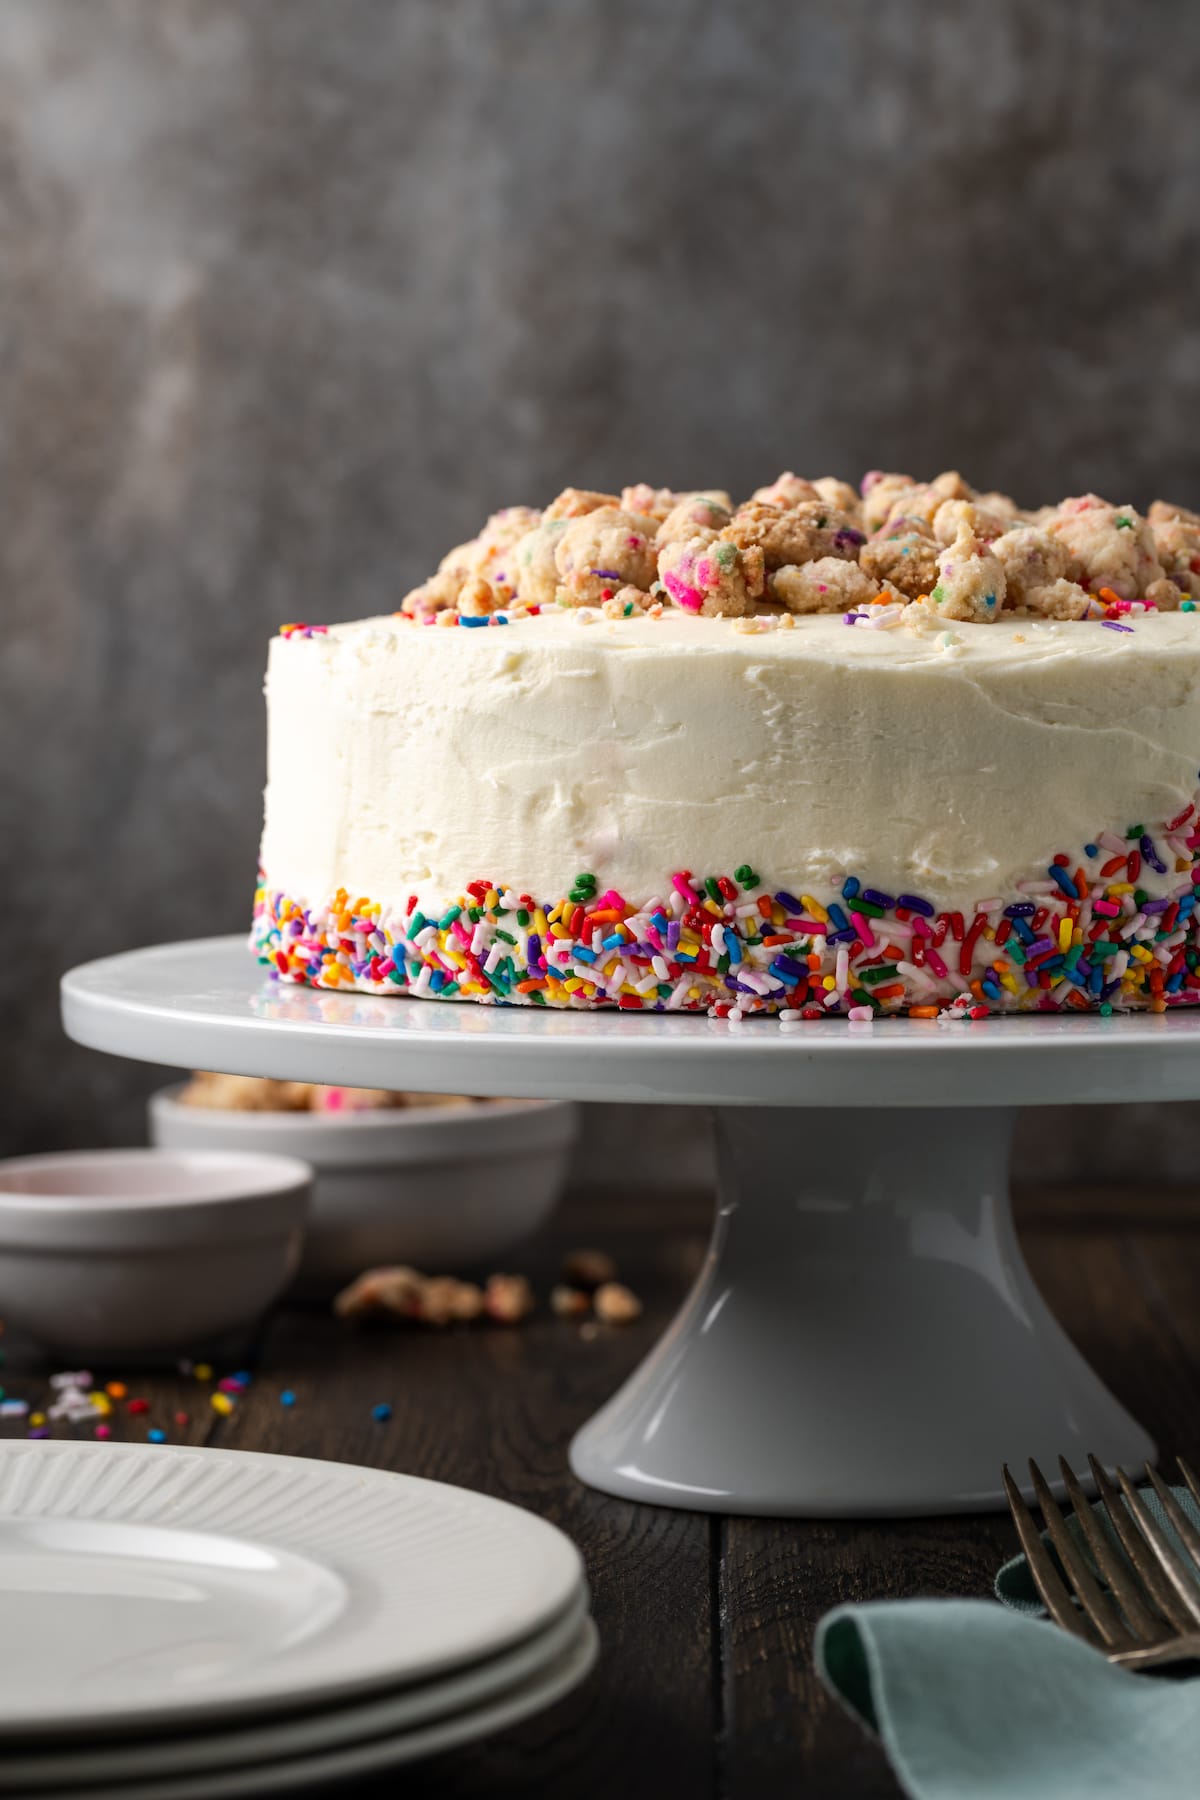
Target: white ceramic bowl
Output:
[(132, 1254), (440, 1188)]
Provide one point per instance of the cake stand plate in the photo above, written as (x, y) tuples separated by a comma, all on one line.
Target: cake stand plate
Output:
[(864, 1338)]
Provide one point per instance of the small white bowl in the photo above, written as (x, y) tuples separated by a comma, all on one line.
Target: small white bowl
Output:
[(129, 1254), (440, 1188)]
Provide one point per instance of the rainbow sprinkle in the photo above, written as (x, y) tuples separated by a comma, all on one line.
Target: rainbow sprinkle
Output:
[(1114, 929)]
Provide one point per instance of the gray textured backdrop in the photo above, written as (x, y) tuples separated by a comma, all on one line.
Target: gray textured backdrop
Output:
[(292, 294)]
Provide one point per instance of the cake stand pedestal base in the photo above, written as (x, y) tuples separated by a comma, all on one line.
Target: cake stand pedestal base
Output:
[(864, 1337)]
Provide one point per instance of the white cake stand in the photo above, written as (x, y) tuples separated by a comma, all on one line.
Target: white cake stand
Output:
[(864, 1337)]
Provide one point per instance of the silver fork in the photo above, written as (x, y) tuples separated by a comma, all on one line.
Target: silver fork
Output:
[(1150, 1614)]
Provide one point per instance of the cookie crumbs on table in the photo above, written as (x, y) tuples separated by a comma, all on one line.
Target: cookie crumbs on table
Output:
[(505, 1298), (508, 1299), (569, 1302), (615, 1304), (588, 1268)]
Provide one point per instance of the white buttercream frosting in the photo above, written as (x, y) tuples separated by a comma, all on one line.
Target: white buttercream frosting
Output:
[(407, 759)]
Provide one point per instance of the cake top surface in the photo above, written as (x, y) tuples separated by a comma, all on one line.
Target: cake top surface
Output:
[(1020, 642), (901, 557)]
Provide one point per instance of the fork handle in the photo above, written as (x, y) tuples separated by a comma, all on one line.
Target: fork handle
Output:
[(1159, 1656)]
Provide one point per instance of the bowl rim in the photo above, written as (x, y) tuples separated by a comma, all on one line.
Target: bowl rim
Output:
[(273, 1203)]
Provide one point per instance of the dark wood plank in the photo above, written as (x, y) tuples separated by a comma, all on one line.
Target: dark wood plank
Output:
[(1166, 1208), (494, 1409), (1120, 1295), (1099, 1285), (783, 1736), (1169, 1266)]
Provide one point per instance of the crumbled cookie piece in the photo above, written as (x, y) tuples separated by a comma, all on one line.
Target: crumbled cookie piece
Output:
[(1003, 505), (626, 603), (478, 598), (444, 1300), (840, 495), (325, 1099), (902, 523), (949, 485), (533, 557), (908, 562), (1109, 546), (487, 558), (881, 493), (659, 503), (955, 516), (970, 584), (499, 537), (786, 490), (576, 503), (249, 1093), (394, 1290), (438, 594), (1031, 558), (706, 575), (602, 551), (569, 1302), (932, 495), (1177, 545), (655, 503), (1166, 594), (794, 534), (243, 1093), (616, 1304), (827, 585), (508, 1299), (490, 555), (692, 513), (407, 1294), (588, 1269), (1163, 511), (915, 507), (1058, 599)]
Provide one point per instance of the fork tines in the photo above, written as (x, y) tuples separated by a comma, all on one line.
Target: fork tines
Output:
[(1147, 1600)]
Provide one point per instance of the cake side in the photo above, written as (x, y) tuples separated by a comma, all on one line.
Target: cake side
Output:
[(703, 812)]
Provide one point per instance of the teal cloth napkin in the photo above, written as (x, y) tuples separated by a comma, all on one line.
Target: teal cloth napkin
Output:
[(974, 1701)]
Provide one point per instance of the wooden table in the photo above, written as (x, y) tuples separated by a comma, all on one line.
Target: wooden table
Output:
[(705, 1688)]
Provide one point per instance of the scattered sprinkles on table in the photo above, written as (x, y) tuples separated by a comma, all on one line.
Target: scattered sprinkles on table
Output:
[(1113, 926), (77, 1400)]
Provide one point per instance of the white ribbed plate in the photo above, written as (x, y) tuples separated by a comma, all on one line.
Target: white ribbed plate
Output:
[(332, 1769), (316, 1731), (151, 1585)]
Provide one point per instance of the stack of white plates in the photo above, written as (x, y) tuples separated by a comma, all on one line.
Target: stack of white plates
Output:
[(184, 1623)]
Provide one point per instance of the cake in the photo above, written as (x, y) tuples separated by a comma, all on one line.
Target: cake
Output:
[(911, 751)]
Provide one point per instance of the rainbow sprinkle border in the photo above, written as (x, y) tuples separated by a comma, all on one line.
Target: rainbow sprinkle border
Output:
[(1120, 935)]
